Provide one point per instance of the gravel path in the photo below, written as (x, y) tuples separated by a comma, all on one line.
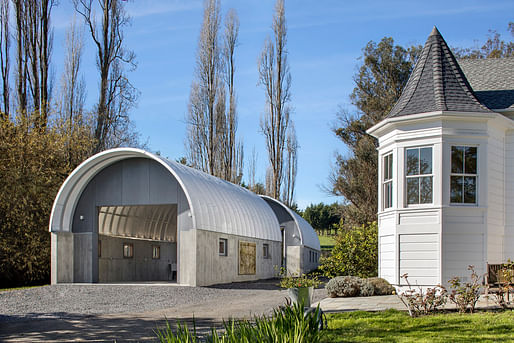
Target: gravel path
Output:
[(107, 313), (101, 299)]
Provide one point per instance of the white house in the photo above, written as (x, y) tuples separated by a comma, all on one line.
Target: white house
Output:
[(446, 169), (128, 215)]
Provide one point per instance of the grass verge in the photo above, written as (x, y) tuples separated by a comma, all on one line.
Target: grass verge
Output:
[(18, 288), (396, 326)]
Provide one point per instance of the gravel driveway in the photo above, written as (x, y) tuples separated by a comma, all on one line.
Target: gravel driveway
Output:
[(104, 313)]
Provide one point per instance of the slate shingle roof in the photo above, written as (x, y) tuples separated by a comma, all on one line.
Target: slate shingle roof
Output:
[(492, 80), (437, 83)]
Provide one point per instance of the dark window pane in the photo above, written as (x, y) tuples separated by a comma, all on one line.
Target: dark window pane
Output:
[(412, 161), (388, 195), (413, 191), (457, 159), (456, 189), (386, 167), (390, 166), (470, 160), (425, 190), (426, 160), (470, 188)]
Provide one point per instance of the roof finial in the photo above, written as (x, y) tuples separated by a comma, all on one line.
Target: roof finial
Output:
[(435, 32)]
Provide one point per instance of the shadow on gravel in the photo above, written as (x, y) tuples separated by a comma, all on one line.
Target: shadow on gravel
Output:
[(91, 328), (267, 285)]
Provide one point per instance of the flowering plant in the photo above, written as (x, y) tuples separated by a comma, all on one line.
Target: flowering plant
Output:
[(289, 281)]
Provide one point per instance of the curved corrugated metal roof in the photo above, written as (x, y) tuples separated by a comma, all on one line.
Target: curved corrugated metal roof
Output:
[(215, 204), (308, 236)]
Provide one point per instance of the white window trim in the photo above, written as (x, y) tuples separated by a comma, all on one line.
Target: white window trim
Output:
[(388, 181), (475, 204), (406, 177)]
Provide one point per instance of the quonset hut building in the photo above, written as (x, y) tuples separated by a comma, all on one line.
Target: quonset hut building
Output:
[(129, 215)]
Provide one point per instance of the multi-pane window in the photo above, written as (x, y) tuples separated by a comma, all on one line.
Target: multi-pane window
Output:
[(387, 183), (463, 179), (128, 250), (156, 252), (418, 167), (222, 247), (265, 250)]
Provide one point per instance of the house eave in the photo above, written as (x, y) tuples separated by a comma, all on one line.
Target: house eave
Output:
[(378, 129)]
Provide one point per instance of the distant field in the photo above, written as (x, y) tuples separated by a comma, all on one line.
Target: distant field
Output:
[(327, 242)]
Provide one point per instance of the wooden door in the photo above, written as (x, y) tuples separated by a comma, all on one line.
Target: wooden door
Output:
[(247, 258)]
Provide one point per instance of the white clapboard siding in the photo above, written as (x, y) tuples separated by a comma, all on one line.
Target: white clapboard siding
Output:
[(419, 258), (460, 251), (387, 258)]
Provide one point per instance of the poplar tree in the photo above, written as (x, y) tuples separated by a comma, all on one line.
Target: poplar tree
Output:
[(275, 78)]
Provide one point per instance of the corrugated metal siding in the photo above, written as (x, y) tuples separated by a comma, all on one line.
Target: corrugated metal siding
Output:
[(308, 236), (215, 205), (221, 206)]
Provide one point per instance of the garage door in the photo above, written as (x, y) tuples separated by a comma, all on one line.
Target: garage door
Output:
[(419, 258)]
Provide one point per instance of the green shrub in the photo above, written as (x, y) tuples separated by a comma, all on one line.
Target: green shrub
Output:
[(367, 289), (355, 253), (352, 286), (288, 324), (381, 286), (344, 286)]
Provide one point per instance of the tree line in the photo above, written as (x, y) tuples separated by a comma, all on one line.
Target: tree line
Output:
[(46, 130)]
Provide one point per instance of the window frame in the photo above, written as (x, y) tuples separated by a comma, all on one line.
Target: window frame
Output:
[(130, 247), (463, 175), (154, 249), (418, 176), (265, 251), (387, 183), (225, 247)]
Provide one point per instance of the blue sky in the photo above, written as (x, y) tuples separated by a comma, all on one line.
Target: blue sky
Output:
[(325, 38)]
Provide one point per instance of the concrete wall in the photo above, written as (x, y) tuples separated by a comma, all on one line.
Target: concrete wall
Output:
[(310, 258), (61, 261), (141, 267), (211, 268)]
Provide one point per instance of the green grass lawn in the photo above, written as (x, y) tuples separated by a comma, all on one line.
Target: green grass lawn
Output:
[(395, 326)]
